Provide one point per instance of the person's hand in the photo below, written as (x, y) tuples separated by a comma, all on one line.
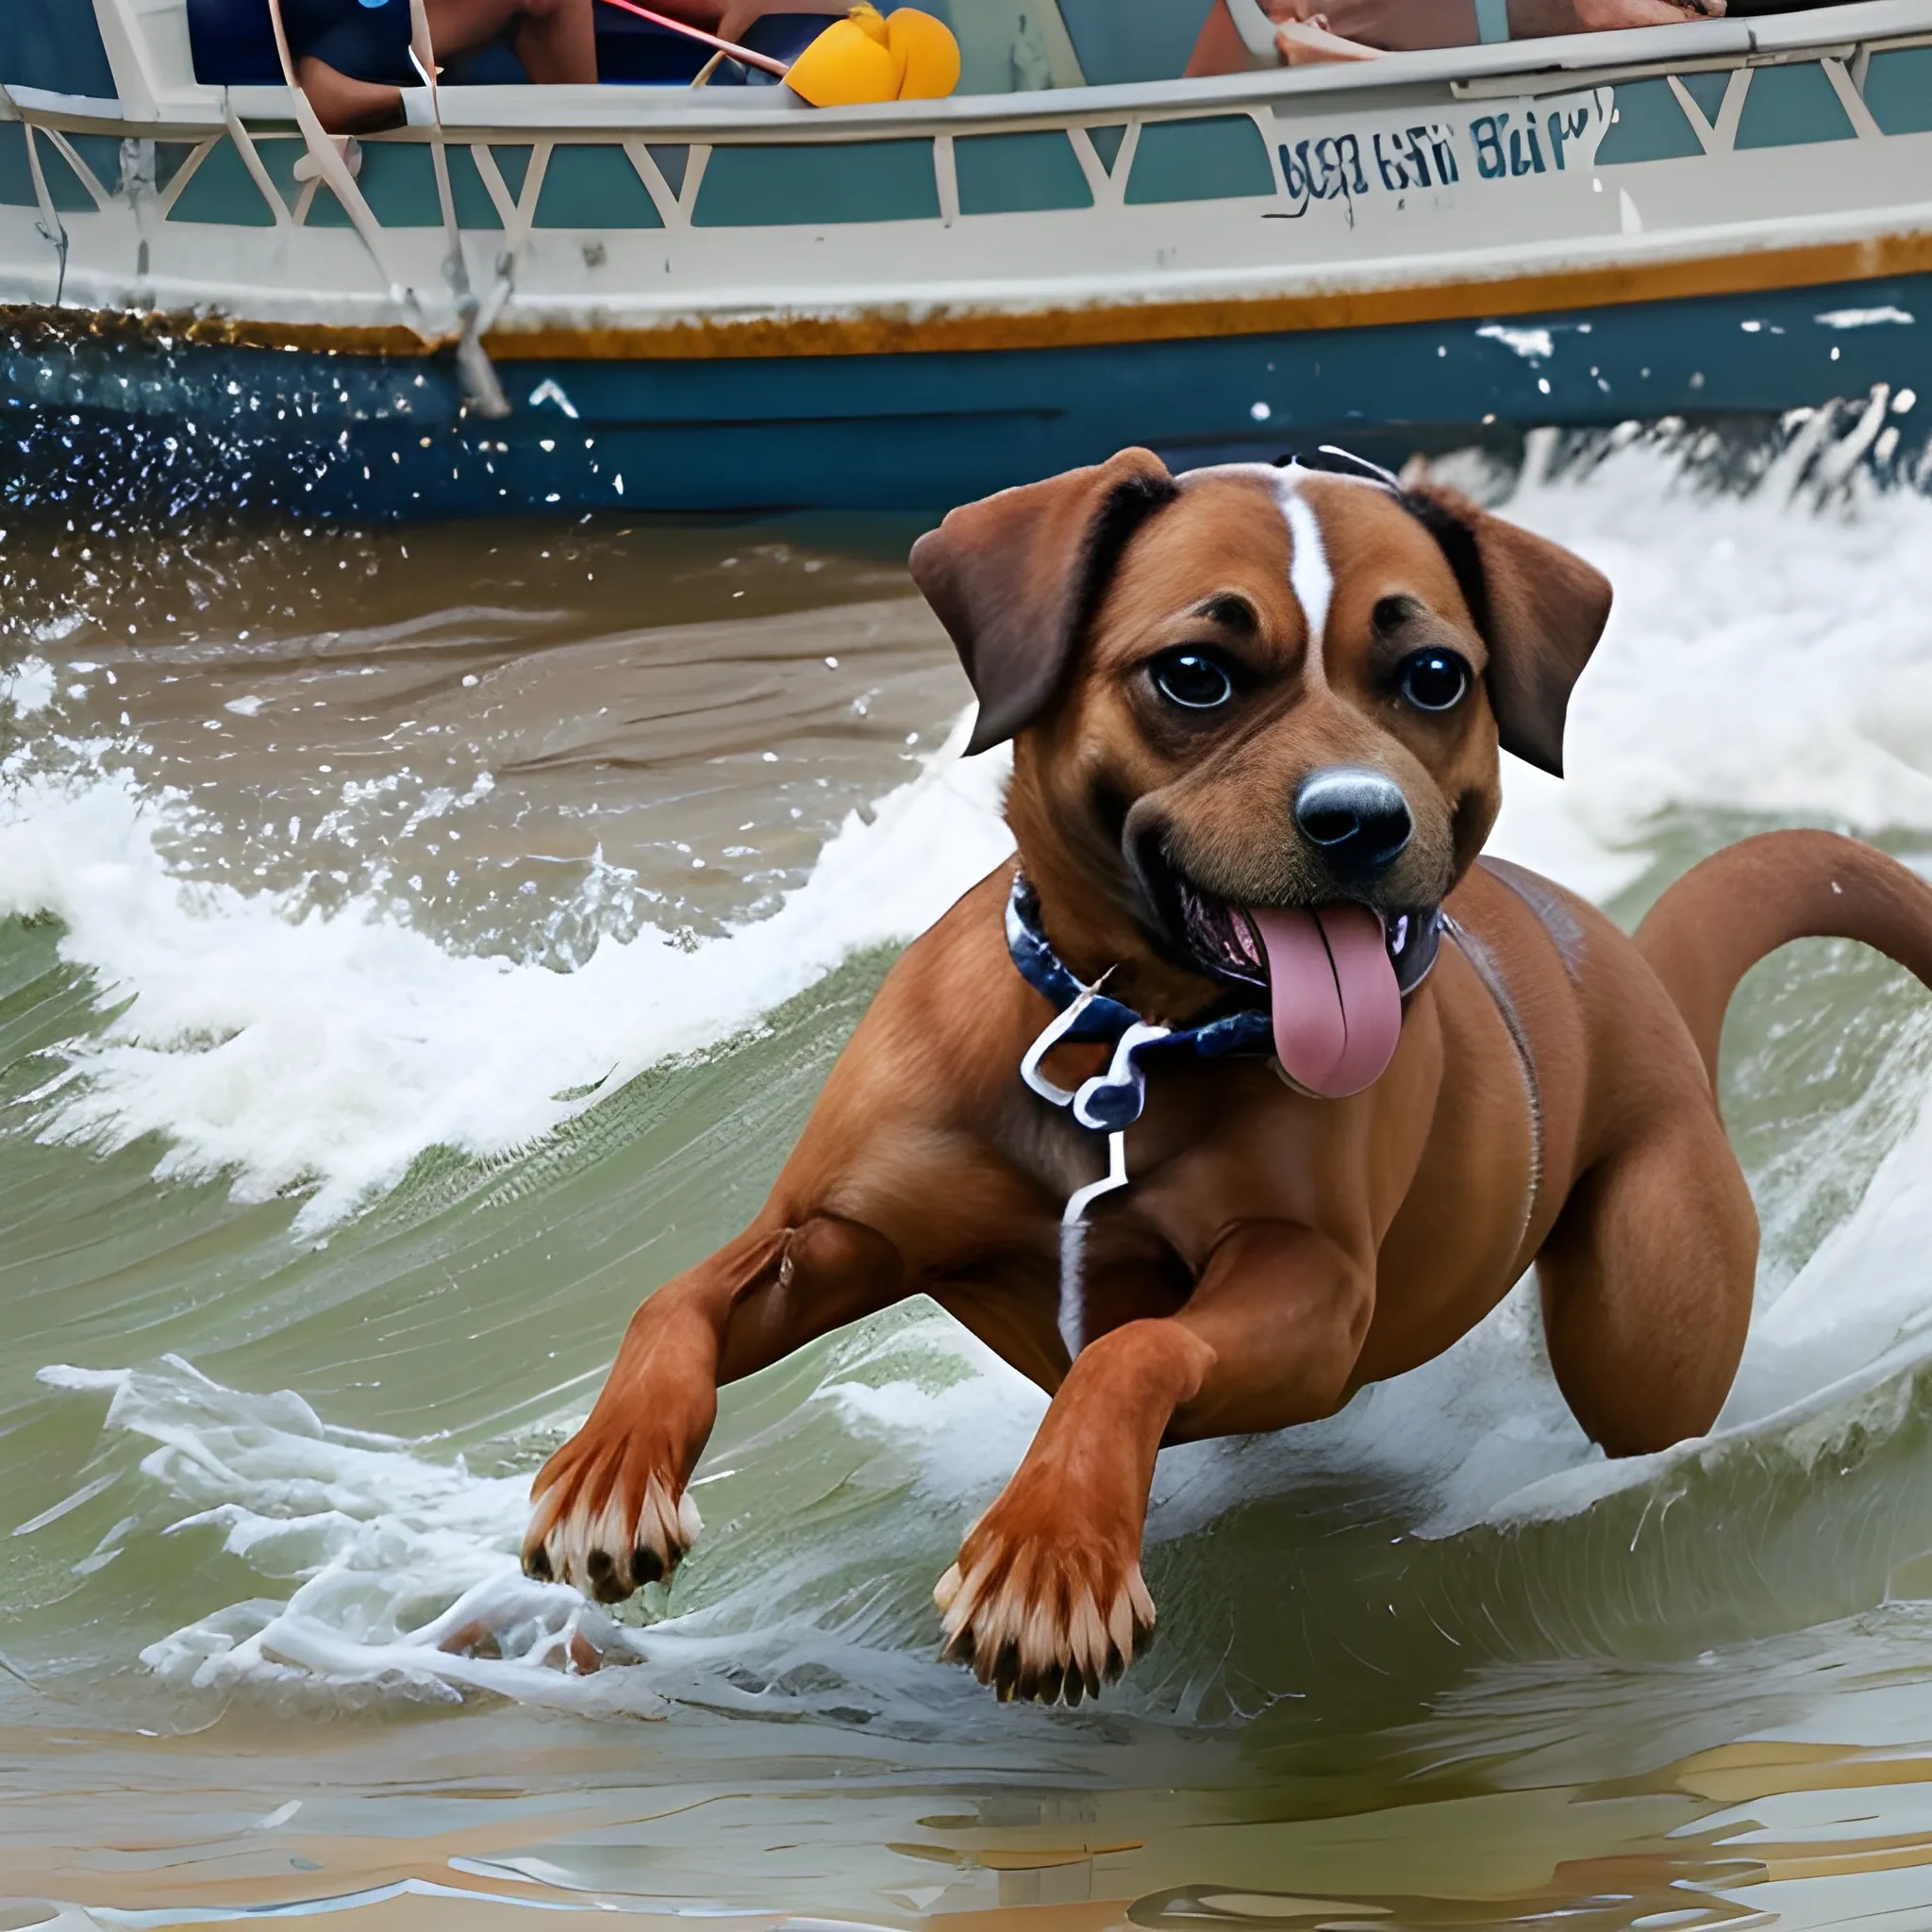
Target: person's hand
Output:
[(1410, 23), (1602, 16), (1390, 25), (737, 16)]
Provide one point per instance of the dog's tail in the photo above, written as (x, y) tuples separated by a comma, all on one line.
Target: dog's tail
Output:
[(1724, 915)]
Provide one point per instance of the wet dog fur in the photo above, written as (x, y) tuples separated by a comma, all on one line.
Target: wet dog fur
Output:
[(1550, 1102)]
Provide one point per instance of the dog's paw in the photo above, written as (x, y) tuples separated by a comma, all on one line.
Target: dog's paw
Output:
[(606, 1520), (1042, 1619)]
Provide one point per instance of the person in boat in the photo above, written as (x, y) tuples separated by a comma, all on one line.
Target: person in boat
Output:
[(730, 20), (352, 57), (1314, 30)]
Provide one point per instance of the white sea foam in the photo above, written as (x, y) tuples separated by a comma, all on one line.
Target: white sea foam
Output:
[(332, 1051), (368, 1529), (1761, 659), (27, 685)]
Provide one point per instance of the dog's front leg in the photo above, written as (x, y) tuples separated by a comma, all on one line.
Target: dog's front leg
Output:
[(1047, 1599), (610, 1512)]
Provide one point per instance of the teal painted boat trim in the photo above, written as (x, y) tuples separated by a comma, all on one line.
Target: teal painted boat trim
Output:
[(1647, 124), (1107, 143), (16, 172), (222, 190), (1707, 90), (1011, 174), (1898, 89), (1792, 106), (1124, 40), (171, 156), (278, 155), (513, 164), (587, 187), (805, 183), (671, 163), (398, 180), (474, 207), (100, 154), (1218, 159)]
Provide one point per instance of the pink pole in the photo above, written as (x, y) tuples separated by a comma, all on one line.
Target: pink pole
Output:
[(697, 33)]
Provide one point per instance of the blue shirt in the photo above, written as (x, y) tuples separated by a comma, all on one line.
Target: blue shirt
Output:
[(366, 39)]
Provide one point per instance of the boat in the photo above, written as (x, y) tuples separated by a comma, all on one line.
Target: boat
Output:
[(657, 296)]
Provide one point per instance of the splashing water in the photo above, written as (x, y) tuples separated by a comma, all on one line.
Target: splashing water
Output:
[(269, 1140)]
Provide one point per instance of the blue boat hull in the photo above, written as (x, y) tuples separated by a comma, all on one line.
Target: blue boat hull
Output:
[(96, 417)]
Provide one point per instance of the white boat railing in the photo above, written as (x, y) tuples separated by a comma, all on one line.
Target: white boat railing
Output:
[(148, 52)]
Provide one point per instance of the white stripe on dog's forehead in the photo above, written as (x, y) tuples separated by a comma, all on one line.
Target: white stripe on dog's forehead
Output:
[(1308, 574)]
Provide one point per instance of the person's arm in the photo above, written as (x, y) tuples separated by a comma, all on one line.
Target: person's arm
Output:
[(1533, 19), (1220, 48), (737, 16), (1403, 25), (344, 105), (1393, 26)]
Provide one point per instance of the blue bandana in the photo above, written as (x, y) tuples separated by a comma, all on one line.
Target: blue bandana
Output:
[(1112, 1101)]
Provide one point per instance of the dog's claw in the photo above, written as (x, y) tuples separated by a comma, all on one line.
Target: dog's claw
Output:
[(1027, 1622), (946, 1589), (598, 1528)]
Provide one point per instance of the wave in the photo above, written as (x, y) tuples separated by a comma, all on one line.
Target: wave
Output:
[(1766, 660), (327, 1053)]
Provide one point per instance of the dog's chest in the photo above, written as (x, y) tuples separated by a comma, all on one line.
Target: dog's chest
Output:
[(1193, 1113)]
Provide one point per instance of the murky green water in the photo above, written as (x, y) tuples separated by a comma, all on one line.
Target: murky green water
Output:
[(374, 1039)]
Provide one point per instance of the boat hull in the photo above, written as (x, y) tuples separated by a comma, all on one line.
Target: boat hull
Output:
[(386, 438), (730, 307)]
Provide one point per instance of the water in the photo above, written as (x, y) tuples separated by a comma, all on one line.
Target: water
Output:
[(415, 947)]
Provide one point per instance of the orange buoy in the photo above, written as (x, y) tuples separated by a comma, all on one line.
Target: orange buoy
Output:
[(850, 64), (866, 58), (930, 53)]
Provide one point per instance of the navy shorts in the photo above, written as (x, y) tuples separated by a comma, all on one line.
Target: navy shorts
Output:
[(365, 41)]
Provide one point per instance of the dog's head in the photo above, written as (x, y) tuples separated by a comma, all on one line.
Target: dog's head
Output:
[(1257, 715)]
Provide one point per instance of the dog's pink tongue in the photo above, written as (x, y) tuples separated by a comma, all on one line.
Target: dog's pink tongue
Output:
[(1338, 1011)]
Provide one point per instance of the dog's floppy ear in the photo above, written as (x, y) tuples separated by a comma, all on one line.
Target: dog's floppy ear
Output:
[(1015, 578), (1540, 608)]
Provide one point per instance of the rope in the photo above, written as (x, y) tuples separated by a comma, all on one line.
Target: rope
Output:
[(480, 384)]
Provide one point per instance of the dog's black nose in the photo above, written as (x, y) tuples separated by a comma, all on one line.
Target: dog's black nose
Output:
[(1359, 818)]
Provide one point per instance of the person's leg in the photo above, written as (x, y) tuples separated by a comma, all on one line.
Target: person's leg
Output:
[(555, 39), (347, 105)]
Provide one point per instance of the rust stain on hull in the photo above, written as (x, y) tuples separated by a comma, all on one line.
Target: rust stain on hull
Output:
[(1758, 271)]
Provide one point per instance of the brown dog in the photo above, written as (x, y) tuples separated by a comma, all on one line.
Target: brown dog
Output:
[(1256, 716)]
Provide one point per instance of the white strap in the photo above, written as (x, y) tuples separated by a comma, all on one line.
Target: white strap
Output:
[(1255, 30), (1057, 1029), (333, 169), (50, 224), (1075, 1212), (480, 383)]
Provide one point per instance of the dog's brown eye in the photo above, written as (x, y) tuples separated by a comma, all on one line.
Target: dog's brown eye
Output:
[(1433, 680), (1195, 680)]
